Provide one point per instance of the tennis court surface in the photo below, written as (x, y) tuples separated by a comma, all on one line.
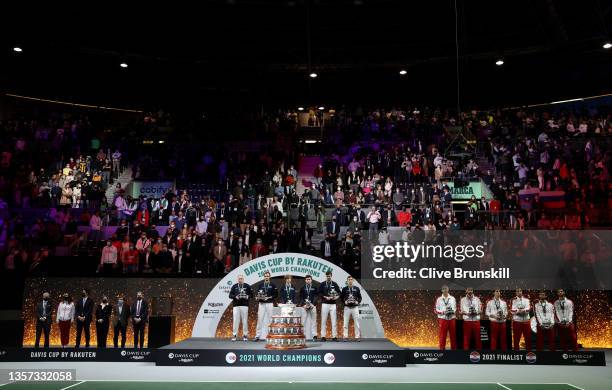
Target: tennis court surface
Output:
[(138, 385)]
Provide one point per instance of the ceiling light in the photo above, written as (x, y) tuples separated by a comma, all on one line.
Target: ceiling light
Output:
[(313, 75), (300, 108), (607, 45), (499, 62), (123, 65), (567, 101), (403, 72), (17, 49), (321, 108)]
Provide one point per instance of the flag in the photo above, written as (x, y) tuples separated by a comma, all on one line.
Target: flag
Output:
[(526, 198), (553, 199)]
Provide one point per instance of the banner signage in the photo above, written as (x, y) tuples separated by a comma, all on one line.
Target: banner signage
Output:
[(580, 358), (77, 355), (150, 189)]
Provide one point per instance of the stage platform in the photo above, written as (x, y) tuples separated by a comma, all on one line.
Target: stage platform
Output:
[(224, 352)]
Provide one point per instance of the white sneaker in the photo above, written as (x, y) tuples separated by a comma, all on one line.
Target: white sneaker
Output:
[(234, 338), (245, 338)]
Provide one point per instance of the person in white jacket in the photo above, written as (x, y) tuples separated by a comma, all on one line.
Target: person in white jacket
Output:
[(65, 317), (95, 227), (445, 308), (564, 315), (521, 324), (545, 317), (471, 307), (497, 311)]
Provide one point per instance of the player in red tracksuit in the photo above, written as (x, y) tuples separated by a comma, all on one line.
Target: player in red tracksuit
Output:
[(564, 313), (521, 324), (471, 307), (545, 316), (497, 311), (445, 309)]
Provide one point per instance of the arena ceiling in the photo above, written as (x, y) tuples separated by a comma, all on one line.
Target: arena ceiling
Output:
[(261, 52)]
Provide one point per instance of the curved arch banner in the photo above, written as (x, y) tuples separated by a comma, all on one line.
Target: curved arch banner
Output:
[(279, 265)]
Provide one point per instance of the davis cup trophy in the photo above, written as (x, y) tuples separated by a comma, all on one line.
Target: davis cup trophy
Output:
[(286, 330)]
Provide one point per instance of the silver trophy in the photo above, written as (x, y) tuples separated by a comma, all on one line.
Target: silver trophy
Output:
[(261, 295), (472, 311), (242, 294), (307, 304), (350, 300), (564, 320), (500, 315), (449, 312), (333, 294), (546, 323)]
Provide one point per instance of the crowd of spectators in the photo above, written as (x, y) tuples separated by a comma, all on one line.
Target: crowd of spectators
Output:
[(378, 169)]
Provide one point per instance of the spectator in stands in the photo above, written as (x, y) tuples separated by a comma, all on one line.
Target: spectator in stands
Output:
[(109, 257)]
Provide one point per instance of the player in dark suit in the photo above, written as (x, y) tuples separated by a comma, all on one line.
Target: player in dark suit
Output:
[(329, 291), (287, 292), (308, 298), (83, 313), (103, 313), (43, 312), (351, 296), (266, 293), (140, 317), (121, 316)]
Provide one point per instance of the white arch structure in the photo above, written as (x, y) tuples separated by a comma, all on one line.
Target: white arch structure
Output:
[(280, 264)]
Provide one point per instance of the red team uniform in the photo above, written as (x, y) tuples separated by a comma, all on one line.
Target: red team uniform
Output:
[(445, 309), (564, 315), (545, 317), (471, 307), (521, 325), (497, 311)]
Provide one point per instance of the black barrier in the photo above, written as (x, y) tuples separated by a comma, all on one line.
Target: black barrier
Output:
[(76, 355), (580, 358)]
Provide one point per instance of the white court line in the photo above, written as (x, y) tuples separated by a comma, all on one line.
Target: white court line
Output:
[(4, 384), (73, 385), (574, 386), (505, 387), (339, 382)]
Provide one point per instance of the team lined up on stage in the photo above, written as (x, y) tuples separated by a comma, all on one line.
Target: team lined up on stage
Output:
[(551, 318), (328, 293)]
